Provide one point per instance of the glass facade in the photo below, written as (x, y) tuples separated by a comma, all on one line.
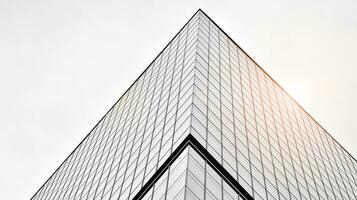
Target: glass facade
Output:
[(204, 85), (190, 177)]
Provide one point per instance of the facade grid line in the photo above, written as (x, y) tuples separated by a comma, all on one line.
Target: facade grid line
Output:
[(245, 137)]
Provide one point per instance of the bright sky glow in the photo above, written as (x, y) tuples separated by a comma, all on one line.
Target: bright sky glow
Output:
[(64, 63)]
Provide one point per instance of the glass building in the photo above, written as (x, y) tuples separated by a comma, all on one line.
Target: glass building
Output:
[(205, 121)]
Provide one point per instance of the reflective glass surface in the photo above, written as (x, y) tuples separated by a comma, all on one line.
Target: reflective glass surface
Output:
[(258, 132), (204, 84)]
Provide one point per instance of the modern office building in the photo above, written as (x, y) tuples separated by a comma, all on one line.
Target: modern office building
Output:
[(205, 121)]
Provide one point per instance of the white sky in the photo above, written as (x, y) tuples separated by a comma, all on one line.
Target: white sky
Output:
[(64, 63)]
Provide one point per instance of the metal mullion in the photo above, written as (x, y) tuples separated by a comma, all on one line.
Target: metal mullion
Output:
[(256, 124), (153, 92), (191, 142), (131, 121), (93, 162), (178, 97), (312, 149), (230, 51), (120, 118), (322, 159), (71, 159), (82, 148), (348, 165), (268, 136), (344, 161), (304, 147), (101, 134), (105, 162), (335, 162), (65, 176), (114, 141), (313, 152), (123, 133), (52, 186), (112, 138), (145, 120), (207, 100), (287, 141), (45, 189), (104, 136), (169, 49), (328, 159), (220, 104), (166, 112), (275, 127), (353, 163), (245, 122), (83, 162), (344, 169), (157, 110)]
